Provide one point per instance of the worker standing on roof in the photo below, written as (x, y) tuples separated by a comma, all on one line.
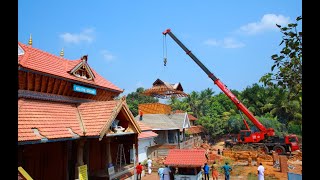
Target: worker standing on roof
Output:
[(141, 115)]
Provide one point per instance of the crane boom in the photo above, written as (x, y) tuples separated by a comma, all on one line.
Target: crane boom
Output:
[(233, 98)]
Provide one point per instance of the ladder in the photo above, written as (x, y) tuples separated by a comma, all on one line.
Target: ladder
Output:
[(121, 158)]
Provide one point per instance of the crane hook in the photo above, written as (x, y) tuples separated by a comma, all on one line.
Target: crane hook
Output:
[(165, 61)]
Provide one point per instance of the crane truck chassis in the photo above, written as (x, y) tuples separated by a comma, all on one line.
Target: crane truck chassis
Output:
[(265, 139)]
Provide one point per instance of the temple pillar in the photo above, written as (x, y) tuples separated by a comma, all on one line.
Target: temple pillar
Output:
[(109, 158), (79, 157)]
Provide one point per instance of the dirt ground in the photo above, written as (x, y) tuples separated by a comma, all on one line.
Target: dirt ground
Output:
[(241, 170), (295, 162)]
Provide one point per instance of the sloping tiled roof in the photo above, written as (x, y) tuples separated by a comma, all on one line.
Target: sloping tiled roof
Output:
[(147, 134), (146, 131), (186, 157), (143, 127), (95, 115), (195, 129), (191, 117), (54, 120), (50, 118), (42, 61), (180, 120)]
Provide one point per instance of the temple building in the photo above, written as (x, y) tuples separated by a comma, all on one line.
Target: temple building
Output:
[(71, 120)]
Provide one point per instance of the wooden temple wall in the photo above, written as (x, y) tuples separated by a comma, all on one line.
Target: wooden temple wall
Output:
[(47, 161), (53, 85)]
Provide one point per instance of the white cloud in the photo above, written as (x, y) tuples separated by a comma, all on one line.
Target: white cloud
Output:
[(87, 35), (232, 43), (267, 22), (225, 43), (107, 55), (211, 42)]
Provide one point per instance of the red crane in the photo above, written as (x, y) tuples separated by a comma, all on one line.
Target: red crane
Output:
[(265, 138)]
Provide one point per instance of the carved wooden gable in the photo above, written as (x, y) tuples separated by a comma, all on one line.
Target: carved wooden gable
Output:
[(82, 70)]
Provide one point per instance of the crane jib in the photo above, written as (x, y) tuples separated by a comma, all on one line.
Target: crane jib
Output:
[(233, 98)]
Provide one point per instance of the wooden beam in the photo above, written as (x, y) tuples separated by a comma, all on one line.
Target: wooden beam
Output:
[(66, 88), (37, 82), (71, 93), (44, 83), (30, 81), (56, 86), (101, 96), (50, 85), (62, 87), (87, 96), (81, 95), (22, 76)]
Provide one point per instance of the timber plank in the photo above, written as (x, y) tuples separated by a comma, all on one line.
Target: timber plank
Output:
[(62, 87), (44, 83), (50, 85), (30, 81), (37, 82), (22, 76), (66, 88), (56, 86)]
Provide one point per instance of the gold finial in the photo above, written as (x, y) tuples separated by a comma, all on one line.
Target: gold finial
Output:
[(30, 40), (62, 53)]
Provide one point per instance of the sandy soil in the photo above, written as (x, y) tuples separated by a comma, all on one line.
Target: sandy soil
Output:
[(241, 168), (270, 171)]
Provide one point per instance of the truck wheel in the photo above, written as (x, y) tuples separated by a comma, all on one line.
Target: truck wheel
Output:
[(279, 149), (264, 149)]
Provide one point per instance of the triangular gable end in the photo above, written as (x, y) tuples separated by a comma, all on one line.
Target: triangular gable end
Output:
[(186, 121), (83, 70), (178, 86), (158, 82), (121, 106)]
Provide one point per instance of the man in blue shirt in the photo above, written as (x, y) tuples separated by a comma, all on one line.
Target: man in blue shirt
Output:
[(206, 170), (227, 169)]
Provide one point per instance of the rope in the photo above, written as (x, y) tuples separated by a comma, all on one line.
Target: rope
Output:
[(164, 50)]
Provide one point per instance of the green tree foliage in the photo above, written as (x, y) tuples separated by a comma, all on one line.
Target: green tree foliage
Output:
[(268, 104), (178, 104), (294, 128), (287, 68), (214, 125), (194, 102), (219, 115), (286, 111), (235, 124), (269, 122), (255, 98), (136, 98), (261, 100)]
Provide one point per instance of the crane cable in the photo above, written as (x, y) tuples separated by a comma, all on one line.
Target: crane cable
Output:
[(164, 50)]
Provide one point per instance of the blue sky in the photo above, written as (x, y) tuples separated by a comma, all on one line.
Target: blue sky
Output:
[(125, 44)]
